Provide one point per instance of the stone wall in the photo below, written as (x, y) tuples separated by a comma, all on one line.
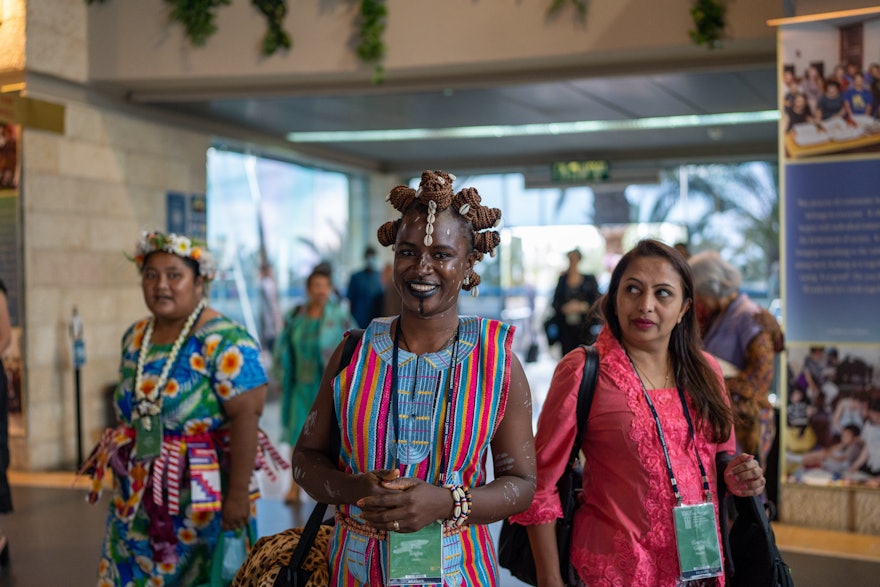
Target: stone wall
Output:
[(86, 195)]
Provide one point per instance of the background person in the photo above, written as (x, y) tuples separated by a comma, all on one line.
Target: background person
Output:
[(191, 392), (311, 333), (5, 491), (365, 290), (270, 311), (736, 335), (649, 348), (425, 396), (573, 297)]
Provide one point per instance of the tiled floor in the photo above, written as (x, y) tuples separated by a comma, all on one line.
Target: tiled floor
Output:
[(55, 536)]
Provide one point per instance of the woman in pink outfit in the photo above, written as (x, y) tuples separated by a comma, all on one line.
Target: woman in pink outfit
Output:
[(659, 413)]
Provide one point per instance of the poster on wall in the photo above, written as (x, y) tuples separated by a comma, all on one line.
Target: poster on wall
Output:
[(830, 154), (187, 214)]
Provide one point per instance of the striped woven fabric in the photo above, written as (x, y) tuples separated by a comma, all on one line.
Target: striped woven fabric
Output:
[(454, 399)]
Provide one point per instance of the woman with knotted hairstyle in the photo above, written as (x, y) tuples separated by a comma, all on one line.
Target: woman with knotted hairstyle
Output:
[(185, 451), (415, 412)]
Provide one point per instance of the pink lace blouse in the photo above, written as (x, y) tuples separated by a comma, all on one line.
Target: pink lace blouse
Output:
[(623, 533)]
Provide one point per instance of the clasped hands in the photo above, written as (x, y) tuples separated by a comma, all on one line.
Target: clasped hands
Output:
[(744, 476), (401, 504)]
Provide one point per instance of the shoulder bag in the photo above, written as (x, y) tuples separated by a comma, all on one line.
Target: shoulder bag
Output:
[(271, 563), (753, 559), (514, 550)]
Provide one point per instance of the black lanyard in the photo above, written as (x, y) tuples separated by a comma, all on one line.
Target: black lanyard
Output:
[(687, 416), (395, 400)]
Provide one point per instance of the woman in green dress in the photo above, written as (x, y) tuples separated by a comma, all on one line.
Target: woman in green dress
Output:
[(312, 331)]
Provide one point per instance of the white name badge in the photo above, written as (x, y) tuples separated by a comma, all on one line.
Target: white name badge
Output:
[(416, 558), (696, 536)]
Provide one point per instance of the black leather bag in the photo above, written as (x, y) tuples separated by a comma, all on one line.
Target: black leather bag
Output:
[(514, 550), (757, 561), (753, 559)]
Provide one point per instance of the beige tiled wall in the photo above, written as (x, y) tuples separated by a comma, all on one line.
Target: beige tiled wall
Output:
[(86, 194)]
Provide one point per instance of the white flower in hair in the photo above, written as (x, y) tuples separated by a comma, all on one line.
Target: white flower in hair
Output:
[(179, 245)]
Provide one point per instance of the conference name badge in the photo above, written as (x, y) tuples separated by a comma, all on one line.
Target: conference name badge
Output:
[(696, 536), (416, 558), (148, 436)]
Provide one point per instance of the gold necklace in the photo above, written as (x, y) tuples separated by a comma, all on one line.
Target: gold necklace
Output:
[(648, 379)]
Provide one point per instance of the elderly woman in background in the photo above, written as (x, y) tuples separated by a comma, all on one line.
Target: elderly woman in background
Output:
[(658, 418), (736, 332), (426, 395), (189, 400), (310, 335)]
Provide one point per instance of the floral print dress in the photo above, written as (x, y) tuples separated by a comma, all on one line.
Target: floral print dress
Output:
[(164, 517)]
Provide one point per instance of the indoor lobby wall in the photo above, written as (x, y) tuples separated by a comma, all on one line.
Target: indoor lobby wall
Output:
[(464, 38), (86, 193)]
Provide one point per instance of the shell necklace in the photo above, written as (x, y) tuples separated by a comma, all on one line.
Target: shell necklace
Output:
[(150, 403)]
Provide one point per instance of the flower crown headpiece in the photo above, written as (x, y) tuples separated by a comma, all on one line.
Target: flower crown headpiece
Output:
[(177, 244)]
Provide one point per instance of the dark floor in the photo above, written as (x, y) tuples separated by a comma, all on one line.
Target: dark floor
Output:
[(55, 539)]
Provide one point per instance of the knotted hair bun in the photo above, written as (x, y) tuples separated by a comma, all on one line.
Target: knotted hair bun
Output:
[(436, 194)]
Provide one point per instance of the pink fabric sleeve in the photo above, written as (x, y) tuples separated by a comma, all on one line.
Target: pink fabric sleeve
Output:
[(557, 426)]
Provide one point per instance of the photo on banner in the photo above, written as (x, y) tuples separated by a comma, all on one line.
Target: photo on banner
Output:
[(830, 87), (830, 154)]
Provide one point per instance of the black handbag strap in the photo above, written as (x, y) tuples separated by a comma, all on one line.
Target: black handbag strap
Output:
[(310, 531), (585, 396)]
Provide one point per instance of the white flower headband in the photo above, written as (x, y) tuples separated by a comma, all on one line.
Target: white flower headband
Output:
[(182, 246)]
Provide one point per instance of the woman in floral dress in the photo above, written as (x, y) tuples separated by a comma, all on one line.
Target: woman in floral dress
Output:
[(185, 451)]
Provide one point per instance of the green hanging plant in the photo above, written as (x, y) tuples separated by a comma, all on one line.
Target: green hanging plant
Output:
[(197, 17), (276, 37), (579, 5), (709, 22), (198, 20), (371, 50)]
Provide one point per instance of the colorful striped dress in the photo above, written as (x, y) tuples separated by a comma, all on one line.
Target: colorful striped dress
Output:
[(458, 409)]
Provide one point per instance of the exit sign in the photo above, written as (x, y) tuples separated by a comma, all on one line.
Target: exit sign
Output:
[(580, 171)]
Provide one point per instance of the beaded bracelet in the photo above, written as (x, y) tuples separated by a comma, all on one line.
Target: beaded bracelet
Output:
[(461, 496)]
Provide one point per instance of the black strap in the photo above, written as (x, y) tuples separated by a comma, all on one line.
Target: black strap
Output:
[(288, 575), (585, 396)]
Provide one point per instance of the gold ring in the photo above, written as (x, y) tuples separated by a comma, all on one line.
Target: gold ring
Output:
[(396, 526)]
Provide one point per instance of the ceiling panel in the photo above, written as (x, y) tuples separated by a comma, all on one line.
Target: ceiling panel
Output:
[(611, 99)]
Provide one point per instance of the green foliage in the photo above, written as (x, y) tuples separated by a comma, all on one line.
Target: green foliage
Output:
[(276, 37), (371, 50), (709, 22), (197, 17), (579, 5)]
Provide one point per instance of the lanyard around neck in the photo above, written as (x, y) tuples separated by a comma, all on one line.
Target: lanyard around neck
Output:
[(687, 415), (395, 400)]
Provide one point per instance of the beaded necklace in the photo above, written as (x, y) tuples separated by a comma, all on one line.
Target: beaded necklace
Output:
[(150, 404)]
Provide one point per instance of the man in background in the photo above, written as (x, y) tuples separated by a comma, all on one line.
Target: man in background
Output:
[(365, 290)]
